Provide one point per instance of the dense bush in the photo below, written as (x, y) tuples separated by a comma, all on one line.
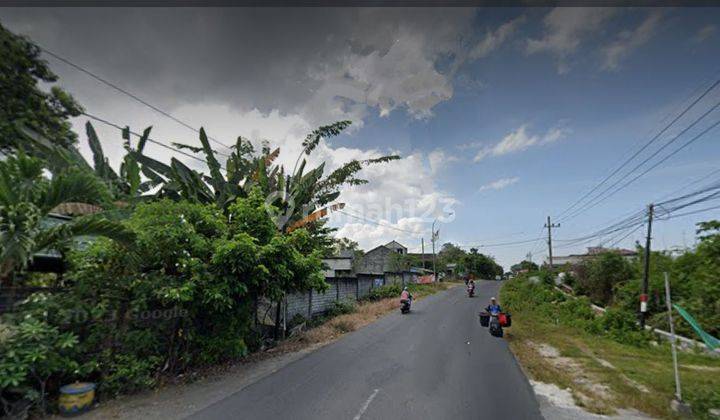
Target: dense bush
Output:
[(342, 307), (602, 275), (387, 291), (181, 297), (542, 301)]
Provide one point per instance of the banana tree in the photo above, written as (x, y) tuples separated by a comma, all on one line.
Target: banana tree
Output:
[(294, 196), (127, 185)]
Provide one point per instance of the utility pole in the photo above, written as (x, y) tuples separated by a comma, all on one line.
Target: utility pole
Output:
[(433, 239), (549, 227), (646, 274), (422, 244)]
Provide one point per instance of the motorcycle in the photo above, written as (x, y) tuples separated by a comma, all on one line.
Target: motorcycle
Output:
[(471, 291), (405, 306), (495, 326), (495, 321)]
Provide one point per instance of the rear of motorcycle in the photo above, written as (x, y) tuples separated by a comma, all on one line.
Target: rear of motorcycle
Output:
[(404, 306)]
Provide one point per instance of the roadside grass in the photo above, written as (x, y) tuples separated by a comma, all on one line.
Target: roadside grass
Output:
[(638, 377)]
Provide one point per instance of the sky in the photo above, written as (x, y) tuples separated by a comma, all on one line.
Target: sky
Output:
[(502, 116)]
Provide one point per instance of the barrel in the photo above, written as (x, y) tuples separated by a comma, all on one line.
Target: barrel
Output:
[(76, 398)]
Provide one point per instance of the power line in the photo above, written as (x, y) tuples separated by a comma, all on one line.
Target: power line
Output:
[(690, 212), (129, 94), (500, 244), (645, 146), (597, 200), (377, 222), (174, 149)]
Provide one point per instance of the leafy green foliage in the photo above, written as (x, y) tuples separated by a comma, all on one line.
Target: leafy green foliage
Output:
[(524, 265), (32, 351), (604, 273), (480, 265), (402, 262), (542, 301), (387, 291), (342, 307), (181, 297), (24, 103), (694, 282), (27, 196)]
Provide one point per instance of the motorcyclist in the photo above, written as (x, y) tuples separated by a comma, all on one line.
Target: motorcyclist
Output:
[(493, 307), (471, 285), (405, 295)]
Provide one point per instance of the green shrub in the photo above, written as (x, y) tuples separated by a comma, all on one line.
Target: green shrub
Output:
[(341, 307), (383, 292), (545, 302), (621, 326), (127, 373), (32, 352)]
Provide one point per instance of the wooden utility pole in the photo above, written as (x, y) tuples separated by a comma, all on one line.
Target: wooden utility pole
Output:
[(549, 227), (646, 274), (422, 244)]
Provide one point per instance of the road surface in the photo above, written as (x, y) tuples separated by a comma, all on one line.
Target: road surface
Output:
[(435, 363)]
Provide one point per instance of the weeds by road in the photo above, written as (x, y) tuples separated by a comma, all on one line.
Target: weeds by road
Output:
[(605, 375)]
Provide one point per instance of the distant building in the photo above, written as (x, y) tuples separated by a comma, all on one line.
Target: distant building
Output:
[(340, 265), (397, 247), (377, 260), (592, 252)]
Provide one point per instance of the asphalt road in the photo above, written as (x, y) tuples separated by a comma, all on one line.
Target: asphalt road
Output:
[(435, 363)]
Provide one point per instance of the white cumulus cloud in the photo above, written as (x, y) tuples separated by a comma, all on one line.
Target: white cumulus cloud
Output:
[(519, 140), (499, 184)]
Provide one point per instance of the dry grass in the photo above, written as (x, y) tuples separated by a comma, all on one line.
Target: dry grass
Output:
[(630, 377)]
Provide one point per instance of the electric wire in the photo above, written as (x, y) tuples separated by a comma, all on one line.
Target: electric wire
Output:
[(174, 149), (645, 146), (129, 94), (599, 198)]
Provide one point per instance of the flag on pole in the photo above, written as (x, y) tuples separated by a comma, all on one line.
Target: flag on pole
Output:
[(709, 340)]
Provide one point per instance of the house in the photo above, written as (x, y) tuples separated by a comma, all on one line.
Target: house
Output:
[(340, 265), (377, 260), (592, 252), (397, 247)]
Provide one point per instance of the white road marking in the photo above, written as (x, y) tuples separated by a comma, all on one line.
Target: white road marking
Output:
[(366, 405)]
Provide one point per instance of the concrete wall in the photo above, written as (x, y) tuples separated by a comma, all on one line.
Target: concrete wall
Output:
[(314, 303)]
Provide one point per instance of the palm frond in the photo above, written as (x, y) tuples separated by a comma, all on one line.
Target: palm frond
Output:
[(60, 236), (74, 186)]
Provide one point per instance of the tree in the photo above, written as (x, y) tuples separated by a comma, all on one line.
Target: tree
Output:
[(603, 274), (480, 265), (292, 196), (26, 198), (451, 254), (345, 244), (402, 262), (524, 265), (24, 103)]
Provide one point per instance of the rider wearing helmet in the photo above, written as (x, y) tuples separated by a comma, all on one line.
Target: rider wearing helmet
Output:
[(493, 307), (405, 295)]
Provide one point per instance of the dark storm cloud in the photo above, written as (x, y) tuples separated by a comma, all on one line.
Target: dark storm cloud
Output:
[(319, 63)]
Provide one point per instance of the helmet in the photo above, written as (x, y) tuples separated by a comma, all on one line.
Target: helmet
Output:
[(405, 288), (492, 298)]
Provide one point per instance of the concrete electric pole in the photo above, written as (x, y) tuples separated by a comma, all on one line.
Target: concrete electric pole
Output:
[(646, 274), (549, 227)]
